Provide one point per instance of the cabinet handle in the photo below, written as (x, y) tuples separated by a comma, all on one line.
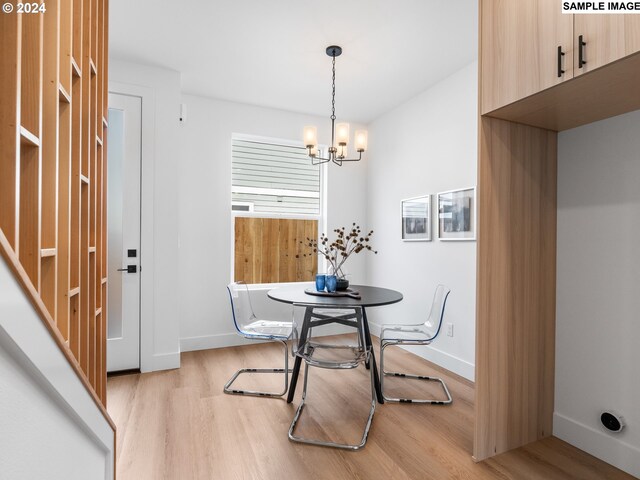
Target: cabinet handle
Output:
[(560, 55), (581, 45)]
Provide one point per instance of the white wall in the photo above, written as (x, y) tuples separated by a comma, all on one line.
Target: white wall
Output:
[(51, 427), (598, 291), (161, 169), (425, 146), (205, 211)]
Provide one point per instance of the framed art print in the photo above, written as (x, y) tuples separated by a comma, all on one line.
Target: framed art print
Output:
[(416, 219), (457, 214)]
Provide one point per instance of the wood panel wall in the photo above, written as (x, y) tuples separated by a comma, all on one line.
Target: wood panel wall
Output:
[(53, 78), (268, 250), (516, 286)]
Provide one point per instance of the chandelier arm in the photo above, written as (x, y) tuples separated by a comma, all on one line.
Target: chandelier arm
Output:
[(319, 160), (351, 159)]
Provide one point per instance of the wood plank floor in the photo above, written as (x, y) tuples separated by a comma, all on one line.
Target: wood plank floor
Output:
[(179, 425)]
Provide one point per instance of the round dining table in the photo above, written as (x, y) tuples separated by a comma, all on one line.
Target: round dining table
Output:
[(363, 296)]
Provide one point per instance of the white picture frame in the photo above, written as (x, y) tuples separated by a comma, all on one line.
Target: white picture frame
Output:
[(457, 215), (416, 219)]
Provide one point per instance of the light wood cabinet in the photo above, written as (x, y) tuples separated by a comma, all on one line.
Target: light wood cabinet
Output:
[(632, 34), (603, 41), (519, 49), (606, 38), (520, 40), (517, 196)]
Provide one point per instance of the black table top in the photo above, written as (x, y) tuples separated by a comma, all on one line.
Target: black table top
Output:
[(370, 296)]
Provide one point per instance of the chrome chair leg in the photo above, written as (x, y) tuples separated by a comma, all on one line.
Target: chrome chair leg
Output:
[(322, 443), (384, 374), (228, 390)]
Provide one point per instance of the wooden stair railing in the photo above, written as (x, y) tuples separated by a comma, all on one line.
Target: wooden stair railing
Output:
[(53, 79)]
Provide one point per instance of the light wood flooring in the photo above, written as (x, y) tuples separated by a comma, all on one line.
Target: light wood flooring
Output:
[(178, 425)]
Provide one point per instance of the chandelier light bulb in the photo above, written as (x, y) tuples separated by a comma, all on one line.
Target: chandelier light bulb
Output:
[(310, 137), (342, 134), (361, 140)]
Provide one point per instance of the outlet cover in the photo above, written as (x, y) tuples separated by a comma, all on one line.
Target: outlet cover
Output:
[(449, 329)]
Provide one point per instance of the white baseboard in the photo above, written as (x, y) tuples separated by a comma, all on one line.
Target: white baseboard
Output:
[(221, 340), (445, 360), (206, 342), (166, 361), (598, 443)]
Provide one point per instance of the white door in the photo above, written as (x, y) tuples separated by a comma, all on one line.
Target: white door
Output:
[(123, 217)]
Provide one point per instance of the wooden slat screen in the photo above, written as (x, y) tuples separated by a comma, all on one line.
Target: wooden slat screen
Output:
[(266, 250), (52, 171)]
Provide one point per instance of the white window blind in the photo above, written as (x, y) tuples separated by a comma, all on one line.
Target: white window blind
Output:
[(273, 178)]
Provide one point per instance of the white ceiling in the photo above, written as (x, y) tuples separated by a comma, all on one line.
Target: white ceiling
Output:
[(272, 52)]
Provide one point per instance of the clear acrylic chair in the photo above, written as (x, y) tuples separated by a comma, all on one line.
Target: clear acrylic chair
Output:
[(316, 351), (350, 317), (416, 334), (254, 328)]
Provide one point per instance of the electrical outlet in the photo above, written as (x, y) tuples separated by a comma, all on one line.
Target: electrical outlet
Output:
[(449, 329)]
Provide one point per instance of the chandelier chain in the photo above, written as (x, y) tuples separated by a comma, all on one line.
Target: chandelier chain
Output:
[(333, 90)]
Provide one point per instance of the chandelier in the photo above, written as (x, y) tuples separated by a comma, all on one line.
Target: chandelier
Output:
[(337, 152)]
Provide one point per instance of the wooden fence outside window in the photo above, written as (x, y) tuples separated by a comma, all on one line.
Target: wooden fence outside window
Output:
[(268, 250)]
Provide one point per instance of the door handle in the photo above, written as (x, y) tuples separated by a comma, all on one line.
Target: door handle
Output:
[(129, 269), (581, 45)]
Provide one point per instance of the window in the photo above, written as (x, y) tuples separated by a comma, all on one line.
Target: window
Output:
[(273, 177), (276, 205)]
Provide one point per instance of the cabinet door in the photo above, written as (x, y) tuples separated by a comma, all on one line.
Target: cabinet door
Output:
[(632, 33), (604, 40), (519, 48)]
